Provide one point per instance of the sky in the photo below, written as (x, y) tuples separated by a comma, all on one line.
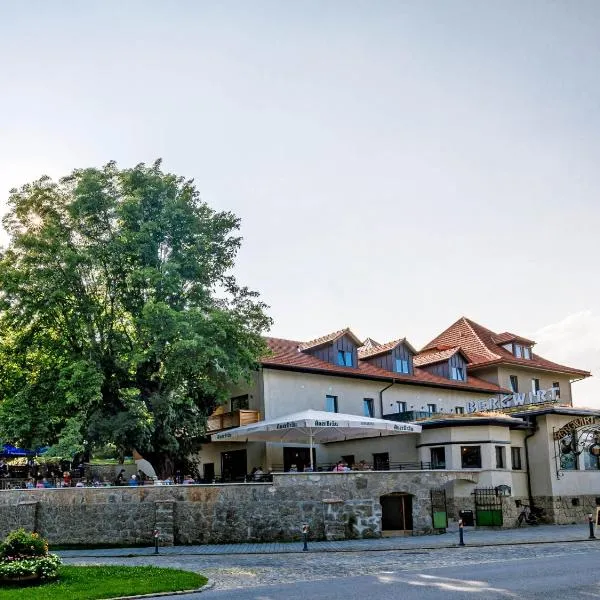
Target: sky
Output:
[(396, 164)]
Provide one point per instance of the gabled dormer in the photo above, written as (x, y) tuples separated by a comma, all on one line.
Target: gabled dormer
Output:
[(338, 348), (396, 356), (519, 347), (450, 363)]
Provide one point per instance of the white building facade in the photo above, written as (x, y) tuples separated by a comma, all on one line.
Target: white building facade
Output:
[(486, 404)]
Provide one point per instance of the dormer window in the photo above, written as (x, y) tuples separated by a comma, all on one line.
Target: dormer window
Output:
[(344, 358), (402, 366), (522, 351), (458, 373)]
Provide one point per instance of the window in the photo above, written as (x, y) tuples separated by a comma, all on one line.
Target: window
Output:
[(432, 408), (470, 457), (535, 385), (556, 387), (239, 403), (459, 410), (402, 366), (514, 383), (438, 458), (458, 373), (344, 358), (401, 407), (331, 404), (527, 352), (518, 350), (500, 457), (515, 457), (368, 407)]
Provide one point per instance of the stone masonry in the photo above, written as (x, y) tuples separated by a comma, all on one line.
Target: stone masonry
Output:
[(334, 505)]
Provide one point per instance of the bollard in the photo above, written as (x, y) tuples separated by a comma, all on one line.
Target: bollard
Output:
[(305, 537), (156, 534), (591, 522), (461, 533)]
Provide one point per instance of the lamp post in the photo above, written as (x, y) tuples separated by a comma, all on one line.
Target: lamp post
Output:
[(156, 534), (591, 523)]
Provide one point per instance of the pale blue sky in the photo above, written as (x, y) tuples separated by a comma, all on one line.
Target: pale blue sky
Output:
[(396, 164)]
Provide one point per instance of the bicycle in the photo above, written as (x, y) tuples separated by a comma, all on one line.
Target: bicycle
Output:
[(531, 516)]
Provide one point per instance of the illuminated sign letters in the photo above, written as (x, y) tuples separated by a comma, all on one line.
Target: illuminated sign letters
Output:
[(514, 400)]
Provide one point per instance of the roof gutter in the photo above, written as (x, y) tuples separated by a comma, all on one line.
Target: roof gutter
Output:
[(533, 428), (387, 387)]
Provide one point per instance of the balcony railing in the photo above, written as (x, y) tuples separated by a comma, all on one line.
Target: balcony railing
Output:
[(384, 466), (228, 420), (409, 415)]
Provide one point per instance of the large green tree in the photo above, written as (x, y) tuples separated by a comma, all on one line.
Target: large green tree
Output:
[(120, 320)]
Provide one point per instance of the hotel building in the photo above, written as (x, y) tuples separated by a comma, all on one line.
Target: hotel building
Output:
[(490, 409)]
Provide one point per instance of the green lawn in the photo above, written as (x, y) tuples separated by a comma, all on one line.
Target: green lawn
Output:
[(89, 583)]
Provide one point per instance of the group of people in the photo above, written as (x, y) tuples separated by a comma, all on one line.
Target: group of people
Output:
[(342, 466)]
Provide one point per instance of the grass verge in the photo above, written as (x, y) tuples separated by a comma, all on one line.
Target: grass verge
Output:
[(96, 582)]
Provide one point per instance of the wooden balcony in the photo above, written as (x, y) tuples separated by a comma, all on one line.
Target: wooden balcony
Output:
[(219, 421)]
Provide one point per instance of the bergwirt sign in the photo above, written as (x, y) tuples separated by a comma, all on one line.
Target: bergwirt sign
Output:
[(513, 400), (571, 426)]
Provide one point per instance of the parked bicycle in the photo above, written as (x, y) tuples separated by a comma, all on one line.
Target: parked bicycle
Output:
[(530, 515)]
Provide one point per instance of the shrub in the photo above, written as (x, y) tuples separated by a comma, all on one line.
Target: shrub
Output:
[(24, 555), (21, 544)]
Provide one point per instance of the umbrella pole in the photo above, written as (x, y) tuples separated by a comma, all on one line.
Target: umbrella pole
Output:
[(312, 467)]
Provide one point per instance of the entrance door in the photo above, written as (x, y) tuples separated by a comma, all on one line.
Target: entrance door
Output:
[(300, 457), (381, 461), (396, 512), (488, 507), (209, 472), (234, 465)]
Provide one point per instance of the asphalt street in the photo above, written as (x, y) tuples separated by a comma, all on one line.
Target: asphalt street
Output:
[(550, 571)]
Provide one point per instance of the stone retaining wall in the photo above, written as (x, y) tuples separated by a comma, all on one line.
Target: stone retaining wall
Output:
[(334, 505)]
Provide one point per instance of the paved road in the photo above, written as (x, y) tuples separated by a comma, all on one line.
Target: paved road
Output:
[(550, 571)]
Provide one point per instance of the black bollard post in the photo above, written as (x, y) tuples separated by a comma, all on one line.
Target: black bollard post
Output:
[(591, 522), (156, 534), (305, 537), (461, 533)]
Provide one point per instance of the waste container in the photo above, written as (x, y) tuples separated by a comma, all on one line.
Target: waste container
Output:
[(467, 517)]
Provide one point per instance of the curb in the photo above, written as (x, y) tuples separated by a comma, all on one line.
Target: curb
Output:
[(330, 551), (207, 586)]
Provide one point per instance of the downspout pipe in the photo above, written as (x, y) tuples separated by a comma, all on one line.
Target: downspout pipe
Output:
[(533, 427), (387, 387)]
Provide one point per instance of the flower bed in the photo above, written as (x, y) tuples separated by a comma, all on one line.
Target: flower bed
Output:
[(24, 558)]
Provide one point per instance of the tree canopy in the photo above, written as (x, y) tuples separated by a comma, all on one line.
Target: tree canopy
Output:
[(120, 319)]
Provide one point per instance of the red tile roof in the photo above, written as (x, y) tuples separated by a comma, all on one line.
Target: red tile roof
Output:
[(430, 357), (286, 354), (481, 347), (330, 337), (369, 351), (507, 336)]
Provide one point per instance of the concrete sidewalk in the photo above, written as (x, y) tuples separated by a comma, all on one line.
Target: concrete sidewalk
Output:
[(541, 534)]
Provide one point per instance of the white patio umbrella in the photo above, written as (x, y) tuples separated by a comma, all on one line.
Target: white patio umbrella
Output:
[(315, 426)]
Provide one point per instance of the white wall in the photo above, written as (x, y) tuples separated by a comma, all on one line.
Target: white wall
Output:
[(287, 392)]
